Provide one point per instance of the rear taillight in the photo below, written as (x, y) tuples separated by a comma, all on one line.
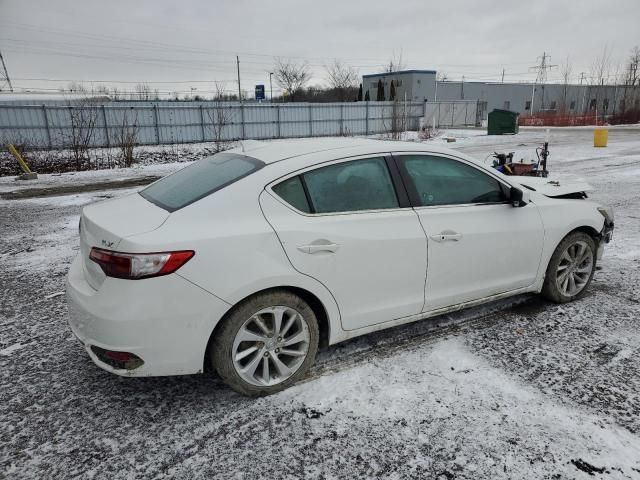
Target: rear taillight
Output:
[(134, 266)]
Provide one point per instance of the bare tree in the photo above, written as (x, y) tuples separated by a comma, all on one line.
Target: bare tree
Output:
[(219, 116), (566, 69), (634, 67), (291, 76), (396, 123), (143, 92), (442, 77), (631, 80), (77, 87), (116, 94), (599, 72), (126, 138), (342, 78), (394, 119), (83, 118), (396, 63)]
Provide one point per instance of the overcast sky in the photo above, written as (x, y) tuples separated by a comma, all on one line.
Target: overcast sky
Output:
[(179, 45)]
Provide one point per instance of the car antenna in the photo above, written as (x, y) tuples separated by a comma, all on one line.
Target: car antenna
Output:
[(250, 145)]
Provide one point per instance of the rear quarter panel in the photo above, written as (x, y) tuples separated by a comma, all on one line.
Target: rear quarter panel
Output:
[(237, 251)]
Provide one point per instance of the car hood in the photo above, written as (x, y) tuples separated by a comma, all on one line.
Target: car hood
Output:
[(553, 187)]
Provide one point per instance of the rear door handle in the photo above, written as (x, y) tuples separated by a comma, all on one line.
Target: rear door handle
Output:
[(446, 236), (322, 247)]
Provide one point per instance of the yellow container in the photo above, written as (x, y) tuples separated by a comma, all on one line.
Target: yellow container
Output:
[(600, 137)]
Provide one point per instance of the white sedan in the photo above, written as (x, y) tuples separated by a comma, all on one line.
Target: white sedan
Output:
[(246, 261)]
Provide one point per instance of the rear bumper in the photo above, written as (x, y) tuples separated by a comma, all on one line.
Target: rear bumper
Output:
[(166, 321)]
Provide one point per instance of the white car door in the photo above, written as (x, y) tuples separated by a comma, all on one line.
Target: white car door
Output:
[(344, 225), (479, 244)]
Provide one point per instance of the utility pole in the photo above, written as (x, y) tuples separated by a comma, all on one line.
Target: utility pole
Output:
[(4, 75), (462, 89), (584, 92), (541, 77), (270, 87), (503, 75), (239, 91)]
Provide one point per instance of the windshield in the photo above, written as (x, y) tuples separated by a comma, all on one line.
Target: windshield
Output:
[(199, 180)]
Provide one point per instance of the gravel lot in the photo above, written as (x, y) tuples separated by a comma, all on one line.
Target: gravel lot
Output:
[(516, 389)]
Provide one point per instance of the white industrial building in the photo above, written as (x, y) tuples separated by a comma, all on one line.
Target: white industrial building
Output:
[(421, 85)]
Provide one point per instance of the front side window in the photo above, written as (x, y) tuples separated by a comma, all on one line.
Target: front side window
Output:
[(444, 181), (196, 181), (342, 187)]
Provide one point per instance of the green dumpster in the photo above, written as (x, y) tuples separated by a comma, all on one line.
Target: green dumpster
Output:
[(502, 122)]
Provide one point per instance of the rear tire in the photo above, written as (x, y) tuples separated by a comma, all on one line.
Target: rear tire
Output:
[(571, 268), (266, 343)]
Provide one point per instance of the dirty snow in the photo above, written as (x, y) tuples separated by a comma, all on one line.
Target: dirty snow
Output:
[(516, 389)]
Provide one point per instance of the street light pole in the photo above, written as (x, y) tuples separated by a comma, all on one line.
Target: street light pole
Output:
[(270, 88)]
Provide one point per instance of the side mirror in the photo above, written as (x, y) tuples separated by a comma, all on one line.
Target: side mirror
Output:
[(518, 198)]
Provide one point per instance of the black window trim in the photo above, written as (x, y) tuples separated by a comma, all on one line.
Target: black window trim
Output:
[(258, 163), (303, 181), (414, 197), (395, 175), (399, 186)]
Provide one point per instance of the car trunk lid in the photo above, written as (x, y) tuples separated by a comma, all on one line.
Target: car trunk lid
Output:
[(105, 224)]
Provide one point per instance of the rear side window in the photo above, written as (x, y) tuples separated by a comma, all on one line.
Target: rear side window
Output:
[(351, 186), (292, 192), (342, 187), (445, 181), (199, 180)]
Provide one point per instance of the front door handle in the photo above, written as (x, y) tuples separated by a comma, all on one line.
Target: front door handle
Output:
[(446, 236), (319, 247)]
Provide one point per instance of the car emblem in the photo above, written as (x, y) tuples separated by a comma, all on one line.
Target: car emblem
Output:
[(107, 244)]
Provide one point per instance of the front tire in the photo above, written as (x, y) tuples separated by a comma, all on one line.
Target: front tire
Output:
[(571, 268), (266, 343)]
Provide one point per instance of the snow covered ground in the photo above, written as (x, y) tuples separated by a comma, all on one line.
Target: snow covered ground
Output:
[(517, 389)]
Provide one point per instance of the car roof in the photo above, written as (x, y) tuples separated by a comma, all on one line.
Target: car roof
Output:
[(278, 150)]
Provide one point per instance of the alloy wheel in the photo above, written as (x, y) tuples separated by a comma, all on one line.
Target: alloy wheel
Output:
[(574, 268), (270, 346)]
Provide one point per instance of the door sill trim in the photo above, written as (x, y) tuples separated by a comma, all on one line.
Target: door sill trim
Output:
[(347, 334)]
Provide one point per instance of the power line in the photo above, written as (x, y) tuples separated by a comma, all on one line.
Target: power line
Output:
[(116, 50), (120, 81), (320, 61), (129, 92)]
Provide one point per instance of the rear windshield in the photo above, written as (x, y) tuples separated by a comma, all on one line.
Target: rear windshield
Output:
[(199, 180)]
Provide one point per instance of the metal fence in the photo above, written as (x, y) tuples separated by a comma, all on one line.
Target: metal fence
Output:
[(454, 113), (51, 126)]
